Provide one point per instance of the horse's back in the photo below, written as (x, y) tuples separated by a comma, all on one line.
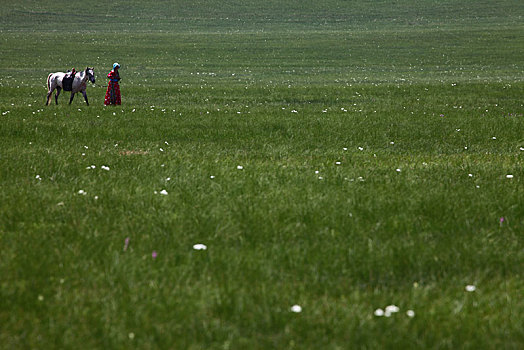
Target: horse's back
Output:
[(58, 76)]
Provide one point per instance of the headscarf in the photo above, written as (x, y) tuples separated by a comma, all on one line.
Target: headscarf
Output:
[(115, 65)]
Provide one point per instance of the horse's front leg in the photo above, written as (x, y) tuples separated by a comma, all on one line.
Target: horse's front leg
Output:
[(85, 97), (72, 96), (58, 89)]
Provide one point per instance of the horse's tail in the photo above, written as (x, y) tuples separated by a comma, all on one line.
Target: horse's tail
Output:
[(48, 81)]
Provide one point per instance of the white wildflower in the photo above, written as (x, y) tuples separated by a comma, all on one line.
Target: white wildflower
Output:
[(379, 312), (392, 308), (296, 308), (470, 288)]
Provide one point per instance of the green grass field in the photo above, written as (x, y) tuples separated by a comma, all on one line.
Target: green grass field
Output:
[(343, 156)]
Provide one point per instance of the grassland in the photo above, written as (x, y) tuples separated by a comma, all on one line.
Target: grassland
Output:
[(339, 155)]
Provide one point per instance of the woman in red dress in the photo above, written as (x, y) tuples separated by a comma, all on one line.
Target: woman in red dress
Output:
[(113, 89)]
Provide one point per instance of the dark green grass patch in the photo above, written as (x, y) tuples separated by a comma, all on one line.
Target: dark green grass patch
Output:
[(343, 156)]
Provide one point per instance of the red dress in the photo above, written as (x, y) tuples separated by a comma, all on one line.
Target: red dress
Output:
[(113, 89)]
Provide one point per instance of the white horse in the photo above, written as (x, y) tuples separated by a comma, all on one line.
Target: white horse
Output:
[(54, 81)]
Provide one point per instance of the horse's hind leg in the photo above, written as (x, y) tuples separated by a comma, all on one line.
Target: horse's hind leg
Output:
[(58, 89), (71, 99), (48, 98), (49, 94)]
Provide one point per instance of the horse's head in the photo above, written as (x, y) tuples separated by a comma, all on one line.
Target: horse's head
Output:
[(91, 74)]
